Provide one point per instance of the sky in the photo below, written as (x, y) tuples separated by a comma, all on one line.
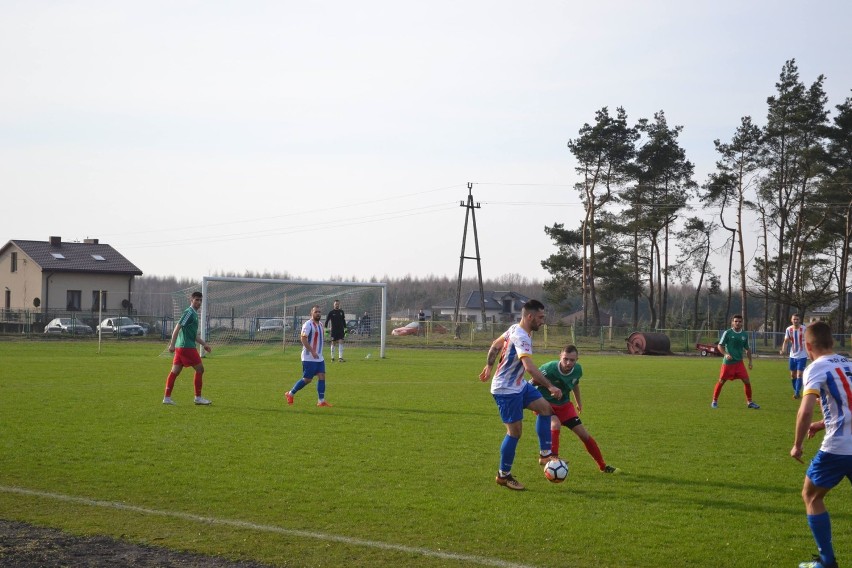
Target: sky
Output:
[(339, 139)]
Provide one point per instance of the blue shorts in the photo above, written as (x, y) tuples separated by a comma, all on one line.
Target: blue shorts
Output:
[(798, 364), (512, 406), (827, 470), (311, 369)]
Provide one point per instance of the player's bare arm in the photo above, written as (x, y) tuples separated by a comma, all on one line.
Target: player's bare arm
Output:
[(803, 425), (538, 378), (815, 427), (203, 343), (493, 351), (577, 398), (174, 338)]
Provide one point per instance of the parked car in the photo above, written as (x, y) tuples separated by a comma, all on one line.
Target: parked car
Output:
[(146, 327), (272, 324), (68, 325), (414, 327), (120, 326)]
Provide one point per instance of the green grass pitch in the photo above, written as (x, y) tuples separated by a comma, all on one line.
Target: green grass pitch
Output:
[(401, 470)]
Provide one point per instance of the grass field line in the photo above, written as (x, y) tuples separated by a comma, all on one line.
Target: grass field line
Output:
[(481, 560)]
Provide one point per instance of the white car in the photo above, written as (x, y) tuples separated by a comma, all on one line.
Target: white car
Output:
[(121, 326), (272, 324), (67, 325)]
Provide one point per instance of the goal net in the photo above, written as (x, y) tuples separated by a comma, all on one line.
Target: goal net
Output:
[(261, 315)]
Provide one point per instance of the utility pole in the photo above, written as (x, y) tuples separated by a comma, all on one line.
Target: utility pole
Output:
[(469, 214)]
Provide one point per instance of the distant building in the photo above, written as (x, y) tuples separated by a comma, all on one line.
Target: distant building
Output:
[(70, 277), (500, 306)]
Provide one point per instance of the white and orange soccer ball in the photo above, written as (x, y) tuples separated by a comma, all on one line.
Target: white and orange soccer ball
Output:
[(556, 471)]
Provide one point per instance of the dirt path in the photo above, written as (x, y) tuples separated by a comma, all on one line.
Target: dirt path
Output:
[(27, 546)]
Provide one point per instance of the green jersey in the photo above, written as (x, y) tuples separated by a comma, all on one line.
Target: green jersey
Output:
[(188, 328), (735, 343), (564, 382)]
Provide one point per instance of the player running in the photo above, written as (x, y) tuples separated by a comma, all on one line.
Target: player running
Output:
[(565, 373)]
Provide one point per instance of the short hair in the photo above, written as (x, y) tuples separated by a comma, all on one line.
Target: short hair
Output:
[(796, 315), (196, 295), (736, 316), (533, 306), (818, 334), (570, 348)]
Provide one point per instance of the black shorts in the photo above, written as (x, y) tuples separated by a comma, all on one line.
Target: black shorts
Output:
[(337, 336)]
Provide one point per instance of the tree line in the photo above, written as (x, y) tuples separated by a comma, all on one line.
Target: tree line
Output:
[(639, 234)]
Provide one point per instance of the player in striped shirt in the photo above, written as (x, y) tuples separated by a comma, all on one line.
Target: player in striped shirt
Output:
[(313, 364), (512, 393), (795, 336), (828, 380)]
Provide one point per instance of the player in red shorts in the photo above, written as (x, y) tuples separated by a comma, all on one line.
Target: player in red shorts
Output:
[(732, 345), (182, 344)]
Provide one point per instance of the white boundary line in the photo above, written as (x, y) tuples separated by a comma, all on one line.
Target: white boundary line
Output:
[(485, 561)]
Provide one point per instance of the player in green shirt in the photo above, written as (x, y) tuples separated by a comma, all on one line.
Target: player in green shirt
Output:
[(565, 373), (184, 338), (733, 345)]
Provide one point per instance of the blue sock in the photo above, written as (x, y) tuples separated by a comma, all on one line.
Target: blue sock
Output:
[(300, 384), (542, 428), (798, 386), (821, 529), (321, 389), (507, 453)]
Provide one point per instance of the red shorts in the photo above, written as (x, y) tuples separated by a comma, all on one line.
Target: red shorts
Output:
[(186, 357), (733, 371), (566, 413)]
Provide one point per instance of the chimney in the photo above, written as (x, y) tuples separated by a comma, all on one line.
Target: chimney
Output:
[(55, 241), (90, 241)]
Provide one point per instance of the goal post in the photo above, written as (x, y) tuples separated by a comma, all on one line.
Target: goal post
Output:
[(242, 314)]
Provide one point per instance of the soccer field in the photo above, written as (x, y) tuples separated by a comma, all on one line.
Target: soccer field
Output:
[(400, 471)]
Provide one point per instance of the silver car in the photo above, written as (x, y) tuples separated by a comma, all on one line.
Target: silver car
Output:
[(71, 326)]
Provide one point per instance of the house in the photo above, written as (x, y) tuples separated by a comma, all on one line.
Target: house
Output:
[(500, 306), (55, 276)]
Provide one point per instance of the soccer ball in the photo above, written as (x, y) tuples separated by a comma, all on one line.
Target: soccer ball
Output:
[(556, 471)]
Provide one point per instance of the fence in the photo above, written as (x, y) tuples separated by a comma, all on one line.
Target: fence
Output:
[(31, 324)]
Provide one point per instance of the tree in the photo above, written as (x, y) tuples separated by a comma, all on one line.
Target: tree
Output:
[(794, 158), (603, 152), (663, 184), (729, 185), (695, 247), (838, 187)]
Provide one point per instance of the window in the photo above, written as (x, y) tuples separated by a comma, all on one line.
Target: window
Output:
[(103, 296), (73, 300), (8, 299), (14, 262), (98, 257), (58, 255)]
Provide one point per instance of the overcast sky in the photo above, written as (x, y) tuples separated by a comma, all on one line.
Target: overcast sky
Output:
[(338, 138)]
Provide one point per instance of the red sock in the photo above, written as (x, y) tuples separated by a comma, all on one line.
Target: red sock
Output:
[(197, 383), (717, 390), (595, 452), (748, 391), (554, 442), (170, 383)]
